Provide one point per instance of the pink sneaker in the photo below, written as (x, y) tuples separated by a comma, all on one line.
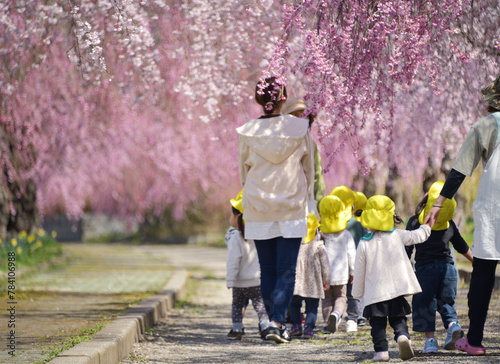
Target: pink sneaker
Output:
[(463, 345)]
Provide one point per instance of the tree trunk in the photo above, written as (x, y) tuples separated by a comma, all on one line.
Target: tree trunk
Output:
[(18, 209)]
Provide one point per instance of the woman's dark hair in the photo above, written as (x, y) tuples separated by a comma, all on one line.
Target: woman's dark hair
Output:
[(311, 119), (358, 213), (421, 205), (241, 226), (269, 94), (491, 109)]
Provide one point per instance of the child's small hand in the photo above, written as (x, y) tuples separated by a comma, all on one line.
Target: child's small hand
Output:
[(326, 286), (351, 278)]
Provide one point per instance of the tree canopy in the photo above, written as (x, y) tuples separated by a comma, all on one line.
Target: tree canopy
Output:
[(129, 107)]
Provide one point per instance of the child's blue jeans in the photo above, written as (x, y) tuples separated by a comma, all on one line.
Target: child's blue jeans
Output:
[(438, 281)]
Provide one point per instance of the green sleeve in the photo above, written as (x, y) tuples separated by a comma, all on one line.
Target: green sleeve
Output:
[(319, 182)]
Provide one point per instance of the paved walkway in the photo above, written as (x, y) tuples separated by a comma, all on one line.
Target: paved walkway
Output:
[(196, 333), (98, 283), (102, 277)]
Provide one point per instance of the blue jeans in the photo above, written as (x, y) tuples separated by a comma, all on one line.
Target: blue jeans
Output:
[(278, 260), (438, 280), (312, 305), (353, 305)]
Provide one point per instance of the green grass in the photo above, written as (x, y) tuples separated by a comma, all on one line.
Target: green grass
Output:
[(83, 335)]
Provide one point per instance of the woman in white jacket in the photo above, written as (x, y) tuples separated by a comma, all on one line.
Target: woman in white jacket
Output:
[(277, 173), (383, 275)]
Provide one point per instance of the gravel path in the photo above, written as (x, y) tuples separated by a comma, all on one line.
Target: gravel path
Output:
[(195, 332)]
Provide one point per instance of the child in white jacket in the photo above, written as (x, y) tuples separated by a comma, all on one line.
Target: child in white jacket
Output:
[(341, 252), (383, 275), (243, 273)]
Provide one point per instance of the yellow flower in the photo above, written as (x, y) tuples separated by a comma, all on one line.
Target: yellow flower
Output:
[(13, 242), (19, 250), (23, 234), (54, 234), (41, 232), (38, 244), (31, 238), (0, 240)]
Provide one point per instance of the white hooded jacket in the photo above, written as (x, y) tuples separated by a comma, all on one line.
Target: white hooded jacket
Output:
[(276, 168)]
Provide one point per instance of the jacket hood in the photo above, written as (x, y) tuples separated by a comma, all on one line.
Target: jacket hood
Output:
[(447, 211), (274, 138)]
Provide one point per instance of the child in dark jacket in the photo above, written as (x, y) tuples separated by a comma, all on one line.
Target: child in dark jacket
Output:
[(436, 272)]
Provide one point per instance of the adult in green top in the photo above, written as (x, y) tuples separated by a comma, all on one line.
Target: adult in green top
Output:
[(296, 106)]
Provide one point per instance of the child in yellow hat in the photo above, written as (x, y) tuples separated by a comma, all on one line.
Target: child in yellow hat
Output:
[(352, 201), (312, 278), (243, 273), (341, 252), (436, 272), (383, 275)]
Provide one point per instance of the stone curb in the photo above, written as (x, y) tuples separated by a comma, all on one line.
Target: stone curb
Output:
[(114, 342)]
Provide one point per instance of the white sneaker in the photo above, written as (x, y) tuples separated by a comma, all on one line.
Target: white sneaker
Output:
[(405, 349), (351, 326), (381, 356)]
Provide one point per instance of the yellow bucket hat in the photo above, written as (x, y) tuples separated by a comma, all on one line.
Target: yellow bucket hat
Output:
[(332, 211), (347, 196), (447, 211), (378, 213), (237, 202), (312, 228), (360, 203)]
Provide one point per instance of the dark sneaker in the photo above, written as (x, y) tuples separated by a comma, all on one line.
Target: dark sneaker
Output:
[(263, 334), (235, 335), (361, 321), (333, 322), (280, 336), (308, 333), (296, 330)]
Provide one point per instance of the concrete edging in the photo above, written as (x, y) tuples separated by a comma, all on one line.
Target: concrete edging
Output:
[(114, 342)]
